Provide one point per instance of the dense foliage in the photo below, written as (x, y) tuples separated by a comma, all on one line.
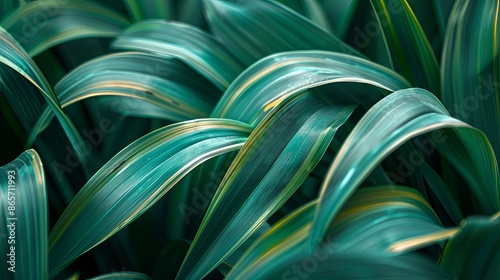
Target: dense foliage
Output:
[(249, 139)]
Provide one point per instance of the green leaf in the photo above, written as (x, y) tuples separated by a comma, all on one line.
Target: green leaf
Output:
[(311, 9), (40, 25), (443, 193), (386, 126), (243, 26), (470, 73), (134, 179), (7, 6), (23, 212), (374, 218), (264, 174), (407, 43), (122, 275), (14, 62), (172, 87), (263, 85), (473, 252), (200, 50), (140, 10)]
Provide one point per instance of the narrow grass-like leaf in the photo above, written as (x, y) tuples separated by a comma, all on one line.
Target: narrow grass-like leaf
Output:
[(164, 82), (23, 212), (199, 49), (386, 126), (62, 21), (263, 85), (470, 66), (140, 10), (244, 27), (122, 275), (371, 221), (442, 192), (473, 252), (311, 9), (410, 50), (265, 173), (134, 179), (14, 62)]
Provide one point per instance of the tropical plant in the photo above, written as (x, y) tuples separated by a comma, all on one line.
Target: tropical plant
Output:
[(299, 139)]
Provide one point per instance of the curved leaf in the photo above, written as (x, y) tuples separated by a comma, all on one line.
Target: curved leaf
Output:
[(141, 10), (122, 275), (134, 179), (265, 173), (164, 82), (409, 48), (194, 46), (475, 251), (387, 125), (244, 27), (373, 219), (40, 25), (13, 62), (263, 85), (23, 212), (470, 76)]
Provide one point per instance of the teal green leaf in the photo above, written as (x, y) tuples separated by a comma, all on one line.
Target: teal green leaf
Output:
[(14, 62), (7, 6), (168, 84), (200, 50), (254, 29), (24, 208), (263, 85), (374, 220), (140, 9), (312, 10), (470, 72), (407, 43), (122, 275), (386, 126), (341, 14), (134, 179), (264, 174), (40, 25), (443, 193), (390, 219), (280, 244), (473, 252)]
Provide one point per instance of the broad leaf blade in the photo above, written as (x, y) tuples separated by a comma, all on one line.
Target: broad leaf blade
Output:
[(24, 215), (243, 27), (265, 173), (197, 48), (410, 50), (263, 85), (61, 22), (134, 179), (391, 122)]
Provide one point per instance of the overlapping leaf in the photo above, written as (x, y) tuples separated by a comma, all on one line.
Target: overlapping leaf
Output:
[(370, 223), (470, 66), (202, 51), (407, 43), (473, 252), (263, 85), (166, 83), (243, 26), (122, 275), (39, 25), (134, 179), (265, 173), (387, 125), (23, 212), (24, 83)]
